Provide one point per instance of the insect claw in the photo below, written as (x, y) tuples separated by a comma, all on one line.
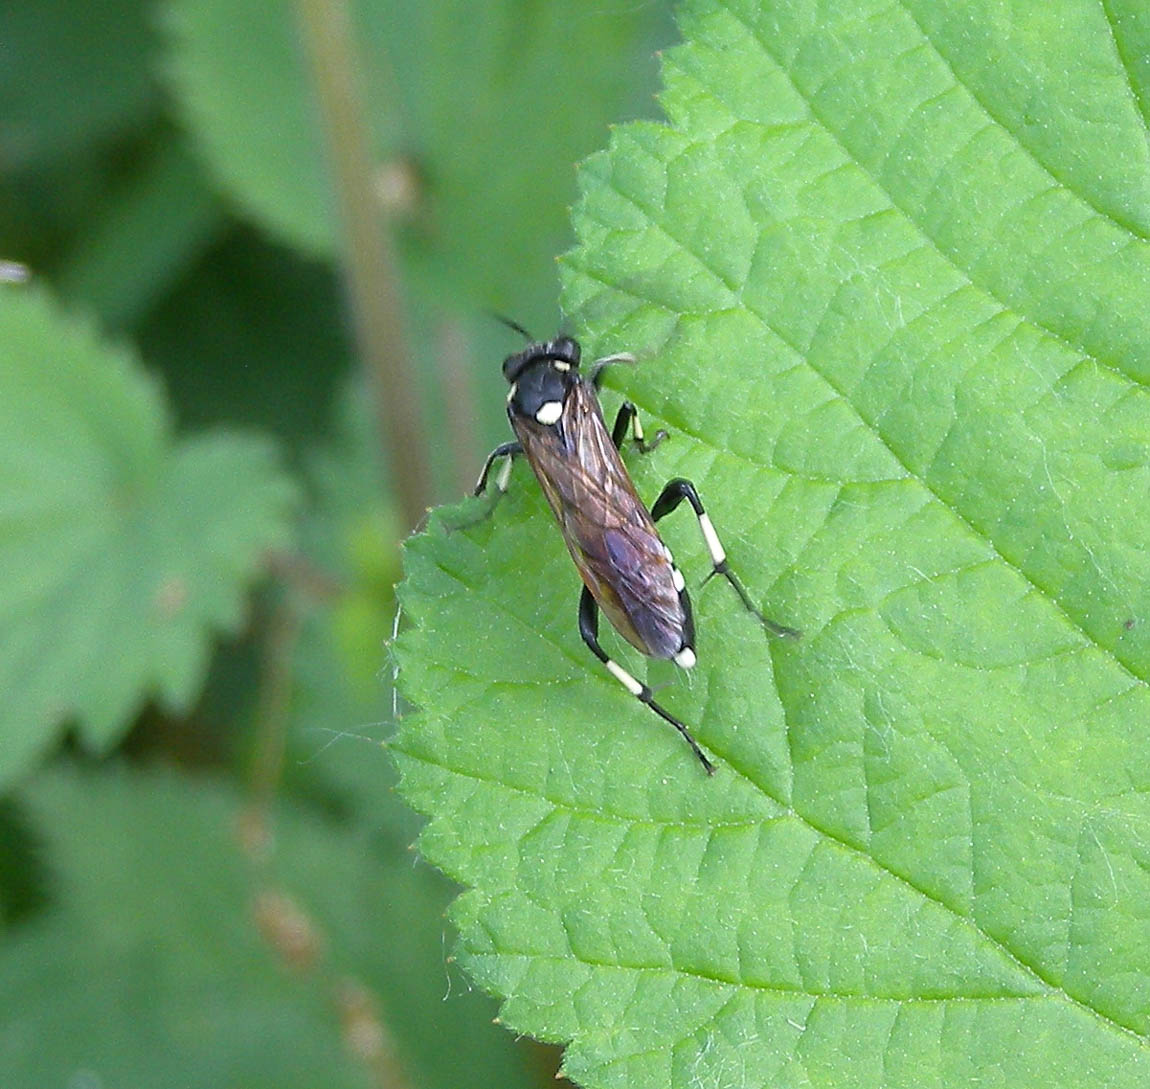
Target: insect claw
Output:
[(781, 630), (647, 445)]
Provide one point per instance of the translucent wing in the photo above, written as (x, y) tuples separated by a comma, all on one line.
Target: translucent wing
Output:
[(609, 532)]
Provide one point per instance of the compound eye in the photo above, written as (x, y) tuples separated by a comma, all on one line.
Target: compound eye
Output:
[(565, 350)]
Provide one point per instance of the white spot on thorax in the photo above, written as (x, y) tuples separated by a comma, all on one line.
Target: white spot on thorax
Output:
[(549, 412), (685, 659)]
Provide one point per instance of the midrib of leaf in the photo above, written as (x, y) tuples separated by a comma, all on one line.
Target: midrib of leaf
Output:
[(585, 812), (781, 989), (1049, 987)]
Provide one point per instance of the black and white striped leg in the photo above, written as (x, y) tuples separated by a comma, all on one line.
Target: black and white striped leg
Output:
[(589, 629), (669, 498), (508, 450), (628, 418)]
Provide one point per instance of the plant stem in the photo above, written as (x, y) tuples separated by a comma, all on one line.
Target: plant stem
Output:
[(369, 256)]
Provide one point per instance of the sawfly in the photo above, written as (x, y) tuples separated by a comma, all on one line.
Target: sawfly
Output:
[(628, 572)]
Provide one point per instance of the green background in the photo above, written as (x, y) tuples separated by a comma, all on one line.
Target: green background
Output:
[(206, 878)]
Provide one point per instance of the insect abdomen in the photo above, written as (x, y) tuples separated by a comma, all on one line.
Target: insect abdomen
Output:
[(655, 617)]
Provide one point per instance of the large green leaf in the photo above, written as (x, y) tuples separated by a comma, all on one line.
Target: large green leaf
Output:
[(888, 268), (122, 549)]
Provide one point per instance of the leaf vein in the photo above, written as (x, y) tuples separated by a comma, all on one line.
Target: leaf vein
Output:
[(870, 425), (969, 273)]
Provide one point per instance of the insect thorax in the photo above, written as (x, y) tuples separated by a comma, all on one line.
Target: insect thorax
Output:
[(540, 392)]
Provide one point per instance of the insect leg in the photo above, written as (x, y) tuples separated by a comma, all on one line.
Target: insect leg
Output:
[(508, 450), (595, 371), (589, 629), (671, 496), (628, 416)]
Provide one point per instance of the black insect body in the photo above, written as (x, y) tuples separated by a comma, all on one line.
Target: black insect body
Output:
[(626, 568)]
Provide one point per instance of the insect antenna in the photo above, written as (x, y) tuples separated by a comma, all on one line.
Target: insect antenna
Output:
[(504, 320)]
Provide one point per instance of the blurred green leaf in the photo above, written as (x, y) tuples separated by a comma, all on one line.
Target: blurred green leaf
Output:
[(72, 75), (153, 959), (342, 717), (490, 104), (342, 710), (122, 549), (145, 236), (898, 323), (253, 300)]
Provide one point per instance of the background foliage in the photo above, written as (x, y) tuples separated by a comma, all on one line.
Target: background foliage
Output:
[(887, 268), (205, 876)]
